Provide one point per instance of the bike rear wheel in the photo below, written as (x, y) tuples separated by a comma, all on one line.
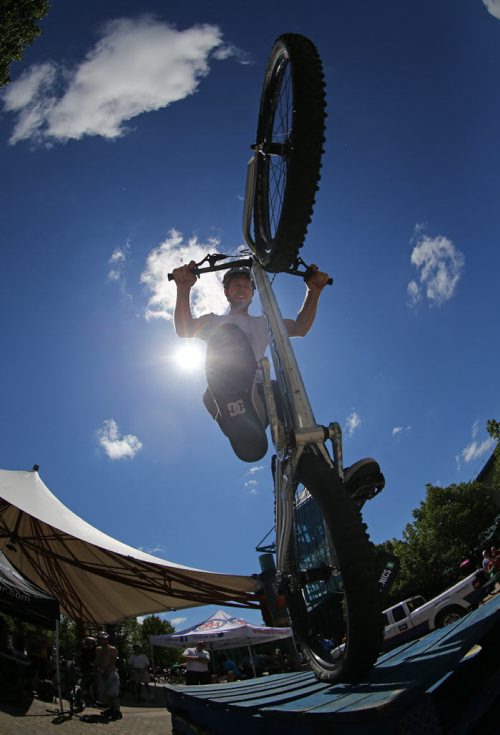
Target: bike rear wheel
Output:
[(333, 593), (290, 136)]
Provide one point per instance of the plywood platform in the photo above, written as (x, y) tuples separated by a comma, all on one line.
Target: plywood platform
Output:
[(441, 683)]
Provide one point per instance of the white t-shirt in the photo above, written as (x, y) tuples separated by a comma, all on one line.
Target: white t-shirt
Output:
[(197, 665), (138, 661), (255, 327)]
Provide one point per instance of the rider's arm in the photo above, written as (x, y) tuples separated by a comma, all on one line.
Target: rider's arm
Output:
[(303, 322), (185, 324)]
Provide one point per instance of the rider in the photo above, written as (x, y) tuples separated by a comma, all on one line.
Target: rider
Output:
[(236, 342)]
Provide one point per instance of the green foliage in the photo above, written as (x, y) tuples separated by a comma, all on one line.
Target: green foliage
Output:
[(153, 625), (18, 29), (447, 527), (493, 428), (451, 524)]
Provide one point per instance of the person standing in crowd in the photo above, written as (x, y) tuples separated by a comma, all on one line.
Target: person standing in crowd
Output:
[(197, 660), (37, 648), (139, 669), (108, 681), (231, 670)]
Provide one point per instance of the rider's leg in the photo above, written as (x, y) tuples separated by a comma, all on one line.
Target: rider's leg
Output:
[(233, 397)]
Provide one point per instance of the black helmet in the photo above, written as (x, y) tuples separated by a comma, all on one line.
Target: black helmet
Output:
[(236, 272)]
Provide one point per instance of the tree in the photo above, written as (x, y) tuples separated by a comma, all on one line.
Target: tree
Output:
[(451, 524), (446, 529), (18, 29), (153, 625)]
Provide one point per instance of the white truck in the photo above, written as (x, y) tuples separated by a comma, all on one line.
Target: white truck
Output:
[(415, 617)]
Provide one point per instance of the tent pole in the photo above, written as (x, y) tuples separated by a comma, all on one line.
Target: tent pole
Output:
[(251, 660), (58, 669), (153, 665)]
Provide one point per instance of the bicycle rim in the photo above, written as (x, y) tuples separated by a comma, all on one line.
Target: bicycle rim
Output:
[(333, 594), (290, 136)]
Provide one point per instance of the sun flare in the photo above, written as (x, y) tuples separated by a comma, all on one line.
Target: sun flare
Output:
[(189, 358)]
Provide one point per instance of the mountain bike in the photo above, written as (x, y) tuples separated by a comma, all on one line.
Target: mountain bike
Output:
[(326, 564)]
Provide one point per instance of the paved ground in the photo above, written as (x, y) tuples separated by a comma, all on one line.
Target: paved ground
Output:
[(42, 718)]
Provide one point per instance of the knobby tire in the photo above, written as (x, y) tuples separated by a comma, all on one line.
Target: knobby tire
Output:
[(356, 624), (290, 137)]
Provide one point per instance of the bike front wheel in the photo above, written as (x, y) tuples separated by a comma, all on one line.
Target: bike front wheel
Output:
[(290, 137), (333, 594)]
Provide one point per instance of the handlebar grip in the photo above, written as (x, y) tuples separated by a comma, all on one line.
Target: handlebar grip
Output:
[(196, 271)]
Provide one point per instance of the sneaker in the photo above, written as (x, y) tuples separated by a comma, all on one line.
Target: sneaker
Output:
[(107, 712), (232, 387), (363, 480)]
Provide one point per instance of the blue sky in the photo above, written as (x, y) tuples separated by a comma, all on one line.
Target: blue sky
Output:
[(124, 139)]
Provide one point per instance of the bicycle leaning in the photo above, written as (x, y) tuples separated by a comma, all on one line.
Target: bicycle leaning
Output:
[(326, 565)]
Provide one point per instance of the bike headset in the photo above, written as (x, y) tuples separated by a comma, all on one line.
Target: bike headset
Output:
[(239, 270)]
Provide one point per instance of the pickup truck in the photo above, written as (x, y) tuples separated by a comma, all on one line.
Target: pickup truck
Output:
[(415, 617)]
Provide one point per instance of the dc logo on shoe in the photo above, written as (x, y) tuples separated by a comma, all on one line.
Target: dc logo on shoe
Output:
[(235, 408)]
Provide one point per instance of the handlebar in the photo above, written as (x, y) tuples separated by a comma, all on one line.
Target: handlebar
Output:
[(212, 260)]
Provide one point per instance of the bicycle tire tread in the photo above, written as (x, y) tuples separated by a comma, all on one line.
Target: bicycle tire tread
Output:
[(304, 164), (356, 559)]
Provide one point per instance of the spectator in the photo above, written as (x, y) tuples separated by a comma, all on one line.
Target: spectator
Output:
[(231, 670), (87, 655), (108, 681), (197, 660), (139, 669), (37, 648)]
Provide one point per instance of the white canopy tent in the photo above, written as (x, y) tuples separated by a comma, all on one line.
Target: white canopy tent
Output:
[(221, 631), (94, 577)]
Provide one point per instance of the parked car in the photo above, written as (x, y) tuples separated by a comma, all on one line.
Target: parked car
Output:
[(415, 617)]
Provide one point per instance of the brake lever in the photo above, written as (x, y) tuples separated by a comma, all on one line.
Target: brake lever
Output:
[(307, 274), (212, 260)]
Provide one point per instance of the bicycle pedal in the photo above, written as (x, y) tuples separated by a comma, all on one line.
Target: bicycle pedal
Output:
[(365, 489)]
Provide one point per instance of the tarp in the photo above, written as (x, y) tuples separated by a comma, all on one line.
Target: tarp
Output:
[(95, 577), (21, 599), (221, 631)]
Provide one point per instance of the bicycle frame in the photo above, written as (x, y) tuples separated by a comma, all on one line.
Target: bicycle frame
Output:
[(297, 428)]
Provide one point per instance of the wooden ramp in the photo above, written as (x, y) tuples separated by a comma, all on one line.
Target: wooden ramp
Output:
[(442, 683)]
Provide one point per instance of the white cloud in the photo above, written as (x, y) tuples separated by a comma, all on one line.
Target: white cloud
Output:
[(117, 262), (414, 293), (353, 422), (252, 485), (207, 295), (476, 449), (138, 65), (115, 445), (253, 470), (493, 7), (177, 621), (440, 265), (400, 429)]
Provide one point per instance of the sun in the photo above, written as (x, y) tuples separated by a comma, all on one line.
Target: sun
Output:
[(189, 358)]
